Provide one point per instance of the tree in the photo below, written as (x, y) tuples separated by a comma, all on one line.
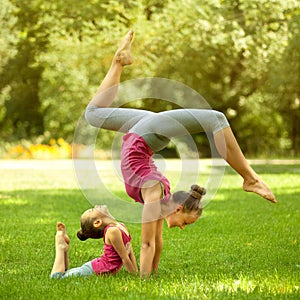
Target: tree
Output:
[(224, 51), (22, 73), (231, 52), (284, 85)]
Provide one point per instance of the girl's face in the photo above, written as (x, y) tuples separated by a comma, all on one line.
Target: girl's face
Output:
[(180, 218), (96, 212)]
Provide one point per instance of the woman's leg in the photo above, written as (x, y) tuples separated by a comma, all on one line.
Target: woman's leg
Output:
[(115, 119), (98, 113), (179, 122), (109, 86), (61, 261), (229, 149), (159, 128), (190, 121)]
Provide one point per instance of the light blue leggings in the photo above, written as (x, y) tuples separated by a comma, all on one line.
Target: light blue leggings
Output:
[(85, 270), (157, 128)]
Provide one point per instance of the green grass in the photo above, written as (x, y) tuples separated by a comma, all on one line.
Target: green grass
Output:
[(243, 247)]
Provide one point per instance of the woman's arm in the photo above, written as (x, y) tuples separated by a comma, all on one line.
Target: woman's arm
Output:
[(148, 248), (158, 245), (114, 237), (151, 193)]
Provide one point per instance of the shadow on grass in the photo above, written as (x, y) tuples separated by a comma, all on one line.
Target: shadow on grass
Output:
[(66, 203), (41, 203)]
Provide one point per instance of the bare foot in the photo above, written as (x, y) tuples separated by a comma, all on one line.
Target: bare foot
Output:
[(259, 187), (60, 242), (123, 54), (60, 227)]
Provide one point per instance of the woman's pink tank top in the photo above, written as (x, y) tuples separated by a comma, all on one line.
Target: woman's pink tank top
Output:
[(138, 167)]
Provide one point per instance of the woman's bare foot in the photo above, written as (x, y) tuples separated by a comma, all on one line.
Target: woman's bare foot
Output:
[(259, 187), (123, 54), (60, 227)]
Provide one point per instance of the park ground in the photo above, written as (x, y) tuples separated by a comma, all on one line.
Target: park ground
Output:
[(242, 247)]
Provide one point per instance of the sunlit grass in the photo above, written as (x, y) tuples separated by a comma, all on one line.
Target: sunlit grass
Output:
[(243, 247)]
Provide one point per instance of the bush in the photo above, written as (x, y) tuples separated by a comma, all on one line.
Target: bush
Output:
[(56, 149)]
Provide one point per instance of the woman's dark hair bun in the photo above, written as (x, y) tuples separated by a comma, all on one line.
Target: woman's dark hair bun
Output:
[(197, 191), (81, 235)]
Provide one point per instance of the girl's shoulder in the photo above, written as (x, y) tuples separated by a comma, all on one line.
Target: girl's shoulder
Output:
[(124, 228), (119, 227)]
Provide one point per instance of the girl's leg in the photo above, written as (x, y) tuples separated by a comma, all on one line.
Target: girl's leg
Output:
[(85, 270), (98, 113), (62, 227), (62, 241)]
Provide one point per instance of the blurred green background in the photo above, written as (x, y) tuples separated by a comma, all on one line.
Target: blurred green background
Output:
[(242, 56)]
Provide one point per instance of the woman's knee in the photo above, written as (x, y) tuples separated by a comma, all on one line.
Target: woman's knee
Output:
[(222, 121), (90, 115)]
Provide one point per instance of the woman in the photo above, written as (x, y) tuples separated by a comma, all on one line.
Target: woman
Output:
[(148, 132)]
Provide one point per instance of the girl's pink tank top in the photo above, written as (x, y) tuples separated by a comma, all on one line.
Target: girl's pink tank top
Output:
[(110, 261)]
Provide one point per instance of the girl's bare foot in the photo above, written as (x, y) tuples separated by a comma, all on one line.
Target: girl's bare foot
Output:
[(259, 187), (60, 227), (123, 54), (60, 242)]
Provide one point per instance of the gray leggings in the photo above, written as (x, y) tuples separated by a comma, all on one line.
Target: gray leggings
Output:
[(85, 270), (157, 128)]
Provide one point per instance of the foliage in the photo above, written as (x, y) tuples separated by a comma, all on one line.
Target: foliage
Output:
[(242, 247), (237, 54), (284, 84), (56, 149)]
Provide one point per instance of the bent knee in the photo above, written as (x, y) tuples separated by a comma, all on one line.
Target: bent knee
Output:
[(89, 114), (221, 123)]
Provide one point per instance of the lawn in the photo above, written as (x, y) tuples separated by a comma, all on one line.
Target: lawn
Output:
[(243, 247)]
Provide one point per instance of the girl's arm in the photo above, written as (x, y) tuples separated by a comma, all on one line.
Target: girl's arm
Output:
[(132, 256), (114, 237)]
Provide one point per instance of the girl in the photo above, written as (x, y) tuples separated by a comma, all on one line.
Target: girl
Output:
[(148, 132), (96, 223)]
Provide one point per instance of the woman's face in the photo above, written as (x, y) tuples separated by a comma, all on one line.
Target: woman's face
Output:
[(181, 219)]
